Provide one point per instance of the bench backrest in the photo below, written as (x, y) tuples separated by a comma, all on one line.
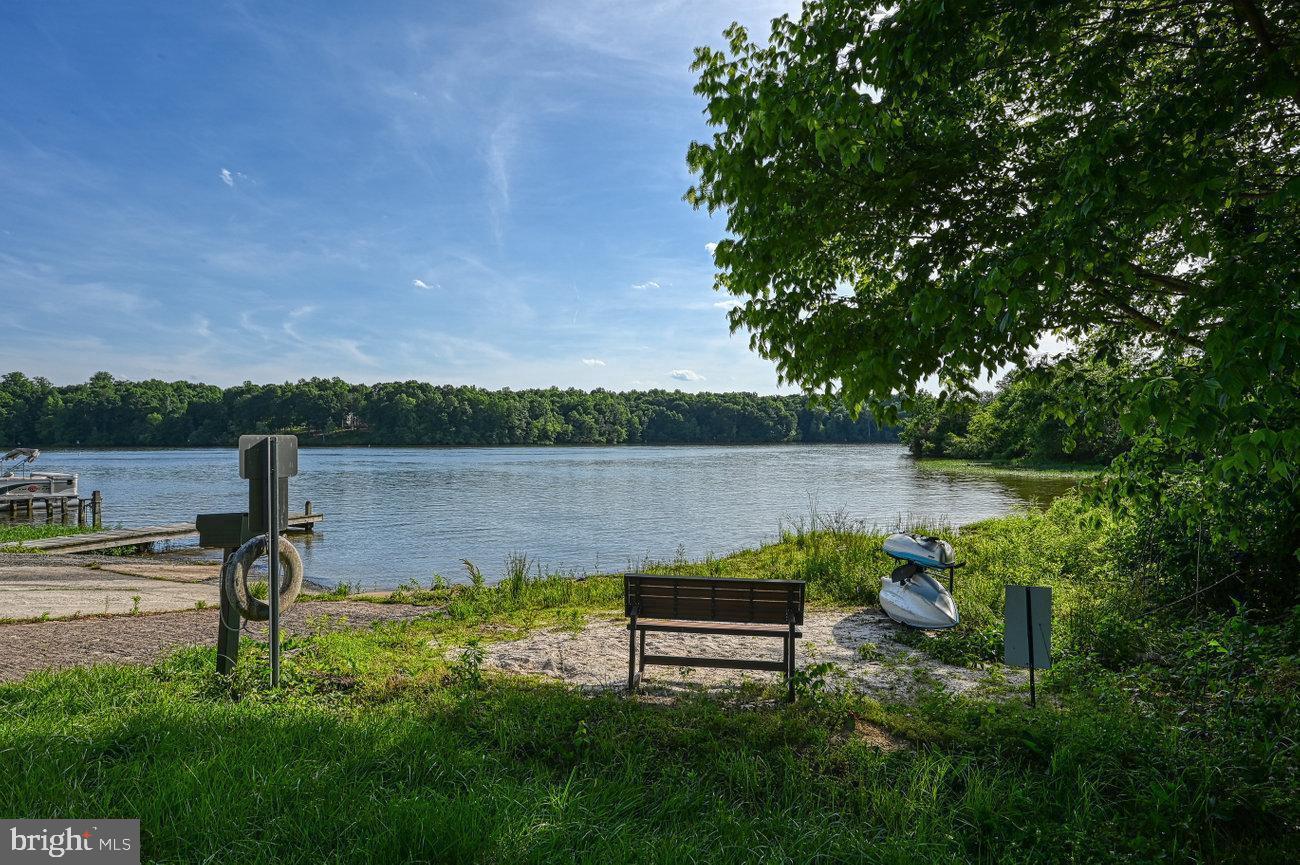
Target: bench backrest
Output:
[(713, 599)]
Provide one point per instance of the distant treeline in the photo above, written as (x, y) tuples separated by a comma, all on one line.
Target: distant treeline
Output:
[(106, 411)]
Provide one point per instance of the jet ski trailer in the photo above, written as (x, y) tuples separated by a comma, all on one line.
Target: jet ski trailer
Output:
[(910, 595)]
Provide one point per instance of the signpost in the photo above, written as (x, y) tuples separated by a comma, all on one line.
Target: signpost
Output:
[(1028, 631)]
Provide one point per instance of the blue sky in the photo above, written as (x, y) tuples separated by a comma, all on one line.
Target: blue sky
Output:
[(473, 193)]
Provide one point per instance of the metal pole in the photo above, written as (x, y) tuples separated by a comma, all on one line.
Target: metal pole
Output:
[(273, 552), (1029, 628)]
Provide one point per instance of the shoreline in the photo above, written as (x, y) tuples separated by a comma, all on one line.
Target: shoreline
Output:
[(1008, 469)]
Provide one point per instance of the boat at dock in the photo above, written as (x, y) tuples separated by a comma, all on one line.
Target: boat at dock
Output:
[(18, 481)]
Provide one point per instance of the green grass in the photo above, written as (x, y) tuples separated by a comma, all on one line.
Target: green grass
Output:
[(392, 744), (1014, 468), (12, 533)]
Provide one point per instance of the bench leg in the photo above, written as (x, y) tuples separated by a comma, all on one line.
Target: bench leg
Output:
[(789, 666), (631, 656), (640, 666)]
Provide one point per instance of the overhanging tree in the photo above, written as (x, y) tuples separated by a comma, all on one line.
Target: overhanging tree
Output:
[(924, 188)]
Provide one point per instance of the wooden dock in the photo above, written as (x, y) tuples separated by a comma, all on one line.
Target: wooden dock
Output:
[(65, 508), (141, 537)]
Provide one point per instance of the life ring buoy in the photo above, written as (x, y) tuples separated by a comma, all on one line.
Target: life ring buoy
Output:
[(234, 577)]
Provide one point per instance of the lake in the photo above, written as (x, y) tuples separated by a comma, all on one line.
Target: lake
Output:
[(396, 514)]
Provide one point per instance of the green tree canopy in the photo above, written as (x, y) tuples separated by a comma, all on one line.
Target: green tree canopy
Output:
[(924, 188)]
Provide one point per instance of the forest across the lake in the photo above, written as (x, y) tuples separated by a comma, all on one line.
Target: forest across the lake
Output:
[(111, 412)]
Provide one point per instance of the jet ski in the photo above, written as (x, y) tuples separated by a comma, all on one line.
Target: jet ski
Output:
[(910, 595), (926, 551)]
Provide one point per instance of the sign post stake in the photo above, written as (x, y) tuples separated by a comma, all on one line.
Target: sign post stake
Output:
[(1029, 633)]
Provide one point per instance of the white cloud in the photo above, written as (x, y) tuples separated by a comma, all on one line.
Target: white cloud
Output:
[(593, 361), (731, 303), (642, 286), (227, 178), (711, 247), (686, 375), (300, 311), (421, 284)]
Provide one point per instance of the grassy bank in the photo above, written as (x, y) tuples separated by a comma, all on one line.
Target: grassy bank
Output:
[(1004, 469), (13, 533), (394, 745)]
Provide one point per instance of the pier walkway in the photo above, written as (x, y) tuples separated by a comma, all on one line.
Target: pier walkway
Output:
[(112, 538)]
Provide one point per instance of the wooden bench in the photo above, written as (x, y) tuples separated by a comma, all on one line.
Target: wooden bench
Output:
[(709, 605)]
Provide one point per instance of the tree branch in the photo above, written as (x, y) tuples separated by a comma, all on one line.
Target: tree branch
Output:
[(1180, 287), (1140, 318)]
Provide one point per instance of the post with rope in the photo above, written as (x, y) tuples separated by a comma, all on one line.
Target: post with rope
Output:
[(267, 463)]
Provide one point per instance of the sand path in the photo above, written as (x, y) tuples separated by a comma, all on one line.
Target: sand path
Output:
[(595, 658)]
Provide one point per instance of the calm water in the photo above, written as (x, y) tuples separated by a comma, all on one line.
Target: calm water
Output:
[(393, 514)]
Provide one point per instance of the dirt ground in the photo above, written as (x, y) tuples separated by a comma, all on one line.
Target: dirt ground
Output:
[(595, 658), (31, 646)]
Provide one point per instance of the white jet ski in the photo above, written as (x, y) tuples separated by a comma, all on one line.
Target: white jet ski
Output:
[(924, 550), (910, 595)]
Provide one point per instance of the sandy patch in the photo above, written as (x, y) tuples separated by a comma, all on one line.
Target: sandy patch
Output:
[(152, 569), (595, 658)]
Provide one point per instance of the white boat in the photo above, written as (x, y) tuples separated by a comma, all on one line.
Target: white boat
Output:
[(910, 595), (18, 481)]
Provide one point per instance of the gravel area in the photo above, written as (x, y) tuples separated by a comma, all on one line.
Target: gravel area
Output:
[(28, 647), (595, 658)]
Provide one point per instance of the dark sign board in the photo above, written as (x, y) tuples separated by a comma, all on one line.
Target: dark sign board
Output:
[(1029, 611)]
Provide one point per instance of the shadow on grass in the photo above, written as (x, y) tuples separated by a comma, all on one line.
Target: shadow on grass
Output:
[(515, 771)]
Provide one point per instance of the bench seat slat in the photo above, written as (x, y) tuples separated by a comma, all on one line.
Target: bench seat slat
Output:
[(678, 626), (722, 611), (723, 663)]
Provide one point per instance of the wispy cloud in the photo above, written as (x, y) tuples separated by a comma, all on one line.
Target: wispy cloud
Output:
[(593, 361), (230, 178), (686, 375), (642, 286), (500, 149), (711, 248), (421, 284), (727, 304)]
